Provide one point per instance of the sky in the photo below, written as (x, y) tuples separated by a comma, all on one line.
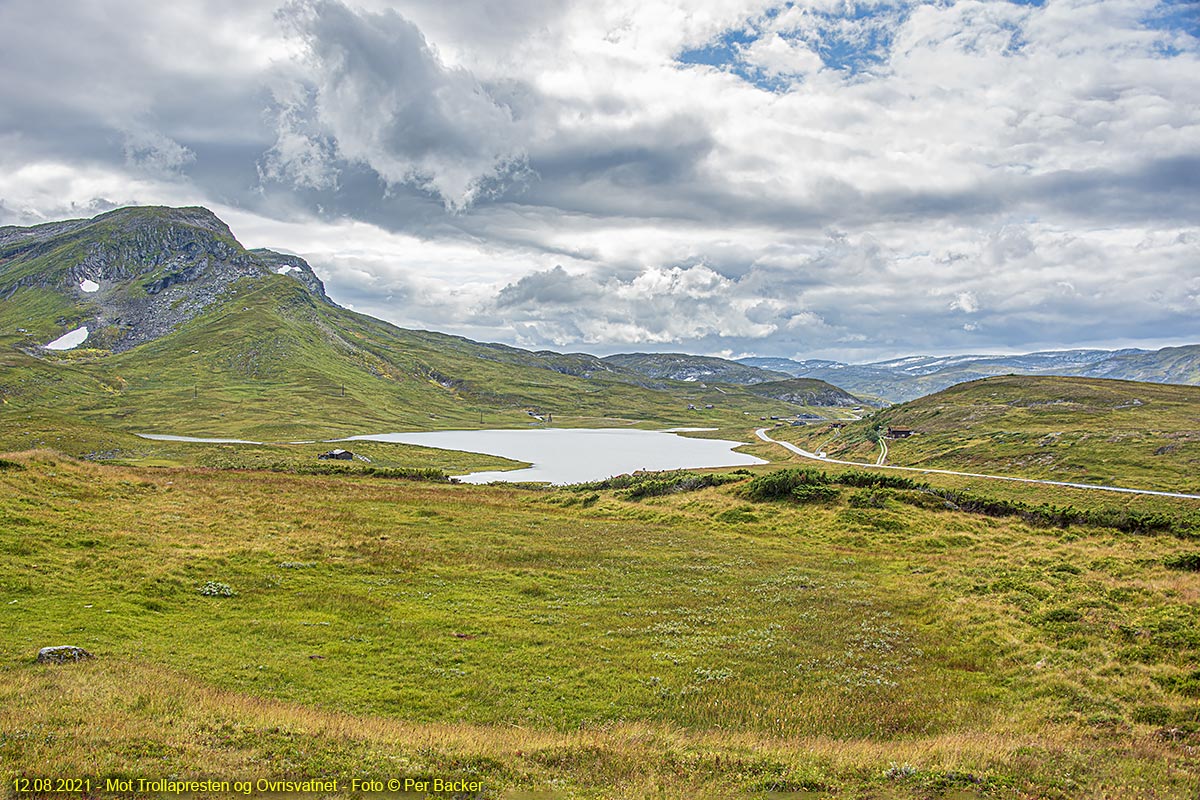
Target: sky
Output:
[(848, 179)]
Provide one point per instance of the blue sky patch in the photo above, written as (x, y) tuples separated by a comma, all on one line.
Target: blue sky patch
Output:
[(1176, 15), (852, 42)]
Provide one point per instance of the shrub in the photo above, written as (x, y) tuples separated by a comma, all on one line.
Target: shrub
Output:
[(215, 589), (781, 484), (657, 484), (872, 480), (814, 493), (870, 498), (1187, 561), (672, 483)]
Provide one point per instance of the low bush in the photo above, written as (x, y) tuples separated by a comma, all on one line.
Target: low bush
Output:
[(781, 485), (814, 493), (657, 484), (215, 589), (1189, 562)]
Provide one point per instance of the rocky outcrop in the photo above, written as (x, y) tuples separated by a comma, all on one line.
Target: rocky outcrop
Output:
[(62, 654)]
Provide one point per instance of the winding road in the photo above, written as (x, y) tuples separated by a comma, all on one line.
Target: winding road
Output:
[(762, 434)]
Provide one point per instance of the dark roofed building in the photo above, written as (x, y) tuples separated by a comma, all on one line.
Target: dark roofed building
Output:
[(899, 432)]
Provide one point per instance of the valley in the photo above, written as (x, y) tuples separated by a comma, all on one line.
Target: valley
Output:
[(776, 627)]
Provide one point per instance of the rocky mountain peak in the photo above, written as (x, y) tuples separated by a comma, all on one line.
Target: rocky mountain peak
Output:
[(137, 273)]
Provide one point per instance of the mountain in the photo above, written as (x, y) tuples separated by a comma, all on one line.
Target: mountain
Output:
[(805, 392), (184, 331), (683, 367), (1091, 430), (901, 379), (132, 275)]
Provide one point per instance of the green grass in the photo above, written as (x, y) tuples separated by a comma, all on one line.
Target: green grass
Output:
[(698, 643)]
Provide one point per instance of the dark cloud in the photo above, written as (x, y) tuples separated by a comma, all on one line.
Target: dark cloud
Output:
[(553, 287), (374, 92)]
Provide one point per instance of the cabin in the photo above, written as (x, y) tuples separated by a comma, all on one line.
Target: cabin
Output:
[(837, 425), (899, 432), (339, 455)]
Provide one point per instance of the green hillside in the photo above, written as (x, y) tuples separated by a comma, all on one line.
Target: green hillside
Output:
[(1142, 435)]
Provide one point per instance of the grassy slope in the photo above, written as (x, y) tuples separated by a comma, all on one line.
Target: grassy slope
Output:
[(1141, 435), (697, 644)]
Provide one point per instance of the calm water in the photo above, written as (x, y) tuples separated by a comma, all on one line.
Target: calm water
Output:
[(565, 455), (166, 437)]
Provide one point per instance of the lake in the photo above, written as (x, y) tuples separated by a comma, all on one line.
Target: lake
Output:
[(577, 455)]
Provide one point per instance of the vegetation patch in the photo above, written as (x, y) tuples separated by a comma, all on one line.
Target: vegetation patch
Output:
[(809, 484), (216, 589), (1189, 562), (658, 484)]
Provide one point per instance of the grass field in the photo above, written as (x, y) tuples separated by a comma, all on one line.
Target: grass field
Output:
[(578, 642)]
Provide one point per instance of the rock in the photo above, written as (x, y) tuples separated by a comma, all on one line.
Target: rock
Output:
[(62, 654)]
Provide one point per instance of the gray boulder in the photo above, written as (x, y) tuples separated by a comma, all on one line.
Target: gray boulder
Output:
[(62, 654)]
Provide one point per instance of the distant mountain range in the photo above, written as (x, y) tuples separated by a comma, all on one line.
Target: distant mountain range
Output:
[(684, 367), (902, 379)]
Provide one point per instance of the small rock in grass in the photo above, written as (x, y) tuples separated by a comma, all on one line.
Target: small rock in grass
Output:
[(62, 654)]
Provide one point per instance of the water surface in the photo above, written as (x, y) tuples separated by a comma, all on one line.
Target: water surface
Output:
[(576, 455)]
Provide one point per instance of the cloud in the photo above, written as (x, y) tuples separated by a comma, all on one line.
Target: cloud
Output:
[(965, 302), (553, 287), (376, 92), (776, 56), (153, 152)]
